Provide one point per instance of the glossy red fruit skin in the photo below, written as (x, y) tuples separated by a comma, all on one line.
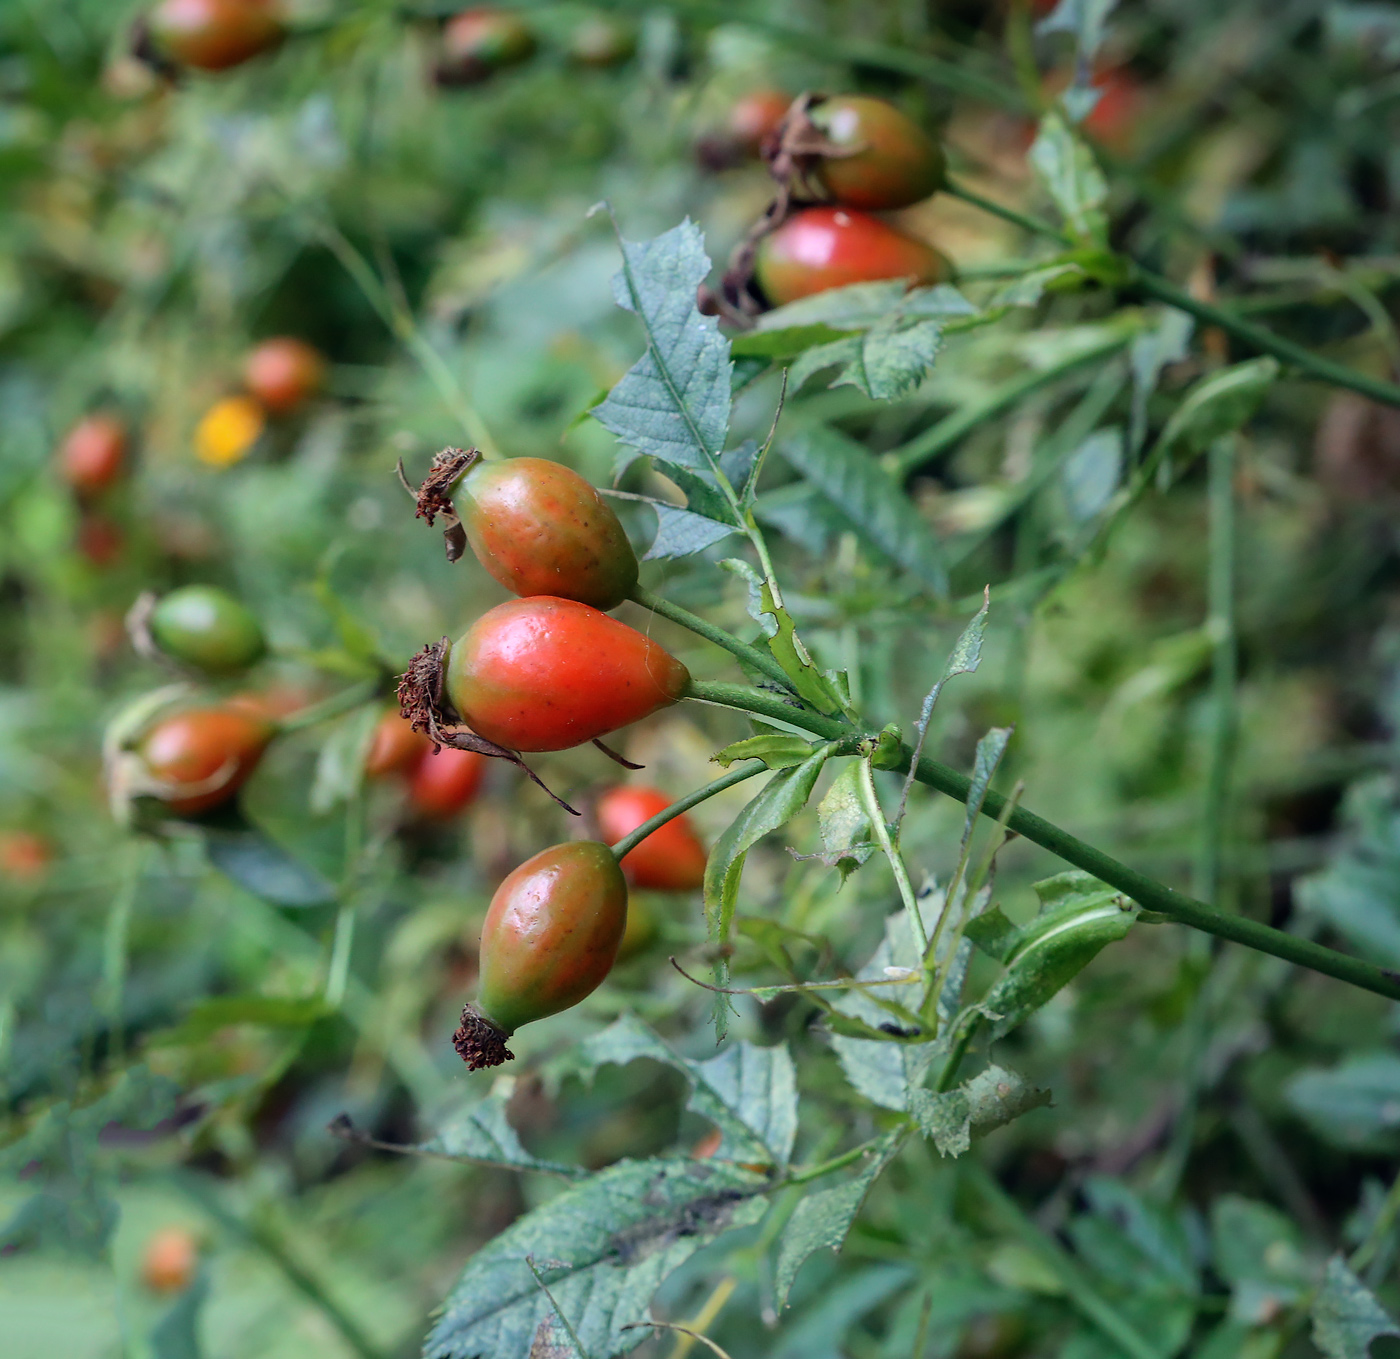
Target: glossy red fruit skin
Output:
[(192, 747), (214, 35), (755, 117), (93, 456), (540, 529), (442, 784), (897, 162), (395, 748), (671, 859), (817, 249), (551, 933), (549, 674), (283, 372), (477, 42)]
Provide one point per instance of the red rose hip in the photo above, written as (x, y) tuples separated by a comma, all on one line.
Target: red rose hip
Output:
[(550, 937), (822, 248), (548, 674), (671, 859)]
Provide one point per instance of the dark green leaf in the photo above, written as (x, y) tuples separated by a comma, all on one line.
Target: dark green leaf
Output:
[(867, 496), (261, 866), (776, 749), (482, 1134)]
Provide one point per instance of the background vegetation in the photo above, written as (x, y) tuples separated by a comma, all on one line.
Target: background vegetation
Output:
[(1192, 631)]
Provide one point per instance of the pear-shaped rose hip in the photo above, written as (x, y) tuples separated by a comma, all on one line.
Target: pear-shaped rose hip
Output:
[(821, 248), (671, 859), (93, 456), (200, 757), (540, 529), (892, 161), (551, 935), (547, 674)]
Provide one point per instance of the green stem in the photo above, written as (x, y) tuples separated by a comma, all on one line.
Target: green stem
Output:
[(803, 1174), (742, 651), (1163, 290), (1265, 341), (1037, 226), (1147, 892), (343, 702), (880, 826), (1224, 666), (938, 439), (738, 774), (1078, 1289)]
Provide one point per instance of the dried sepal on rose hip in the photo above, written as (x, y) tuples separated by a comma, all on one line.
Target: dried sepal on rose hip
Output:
[(535, 525), (551, 936)]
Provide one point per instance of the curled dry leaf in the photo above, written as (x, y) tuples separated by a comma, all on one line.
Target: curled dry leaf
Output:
[(434, 496)]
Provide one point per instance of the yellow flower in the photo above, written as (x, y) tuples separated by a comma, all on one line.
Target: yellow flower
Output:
[(228, 430)]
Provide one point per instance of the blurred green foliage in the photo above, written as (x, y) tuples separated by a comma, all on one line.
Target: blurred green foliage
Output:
[(1215, 1174)]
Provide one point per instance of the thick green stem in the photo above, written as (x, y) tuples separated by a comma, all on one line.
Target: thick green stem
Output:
[(742, 651), (1147, 892), (1265, 341), (738, 774)]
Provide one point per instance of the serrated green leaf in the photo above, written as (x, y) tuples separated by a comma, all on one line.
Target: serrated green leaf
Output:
[(1346, 1316), (884, 1072), (990, 1100), (859, 306), (891, 359), (482, 1135), (674, 402), (679, 533), (870, 500), (603, 1246), (749, 1093), (776, 749), (823, 1219), (1066, 167)]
